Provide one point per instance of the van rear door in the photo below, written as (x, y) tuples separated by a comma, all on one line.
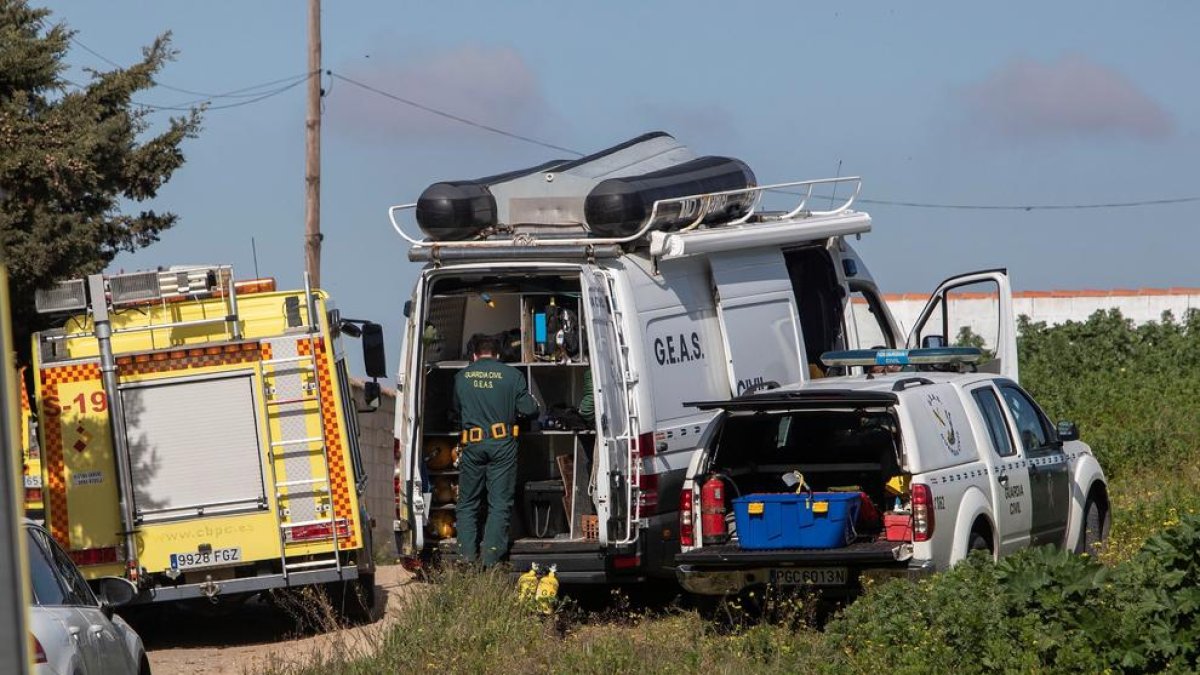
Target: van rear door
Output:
[(972, 310), (615, 446), (759, 325), (411, 504)]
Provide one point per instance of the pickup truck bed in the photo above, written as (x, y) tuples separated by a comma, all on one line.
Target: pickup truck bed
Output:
[(858, 554)]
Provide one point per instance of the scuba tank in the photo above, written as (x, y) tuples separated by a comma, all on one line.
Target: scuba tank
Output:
[(527, 584), (547, 591)]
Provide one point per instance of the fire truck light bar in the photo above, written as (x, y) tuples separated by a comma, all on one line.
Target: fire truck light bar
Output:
[(902, 357), (65, 296)]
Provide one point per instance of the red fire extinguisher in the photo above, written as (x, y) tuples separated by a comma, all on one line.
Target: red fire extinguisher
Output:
[(712, 511)]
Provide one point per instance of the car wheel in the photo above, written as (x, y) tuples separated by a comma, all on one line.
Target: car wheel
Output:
[(1095, 526)]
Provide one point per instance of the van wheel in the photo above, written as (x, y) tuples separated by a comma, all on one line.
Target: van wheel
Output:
[(1095, 527), (143, 665)]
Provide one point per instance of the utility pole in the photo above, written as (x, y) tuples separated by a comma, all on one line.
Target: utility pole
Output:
[(312, 150)]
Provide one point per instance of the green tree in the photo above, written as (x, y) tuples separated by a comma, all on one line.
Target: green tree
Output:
[(73, 157)]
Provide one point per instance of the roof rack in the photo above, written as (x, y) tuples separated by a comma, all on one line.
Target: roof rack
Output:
[(700, 204)]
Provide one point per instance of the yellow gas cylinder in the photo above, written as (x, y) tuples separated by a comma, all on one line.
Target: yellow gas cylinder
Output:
[(438, 452), (527, 584), (441, 524), (547, 591)]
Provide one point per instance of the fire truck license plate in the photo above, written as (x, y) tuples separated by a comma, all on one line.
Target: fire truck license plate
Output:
[(33, 481), (809, 576), (217, 556)]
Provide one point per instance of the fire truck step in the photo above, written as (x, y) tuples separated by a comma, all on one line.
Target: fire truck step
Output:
[(302, 523), (298, 441), (307, 481), (286, 359), (287, 401), (328, 562)]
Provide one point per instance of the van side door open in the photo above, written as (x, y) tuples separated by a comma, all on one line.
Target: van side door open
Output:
[(757, 312), (972, 310)]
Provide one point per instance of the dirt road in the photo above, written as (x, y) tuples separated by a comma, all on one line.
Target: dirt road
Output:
[(257, 635)]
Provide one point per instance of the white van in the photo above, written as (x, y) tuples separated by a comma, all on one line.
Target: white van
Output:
[(701, 296)]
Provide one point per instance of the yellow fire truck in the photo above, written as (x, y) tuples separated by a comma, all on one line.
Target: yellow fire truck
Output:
[(199, 436)]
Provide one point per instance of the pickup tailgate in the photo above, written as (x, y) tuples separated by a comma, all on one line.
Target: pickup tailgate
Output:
[(729, 556), (727, 569)]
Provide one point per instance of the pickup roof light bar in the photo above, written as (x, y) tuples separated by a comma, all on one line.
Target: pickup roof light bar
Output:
[(903, 357)]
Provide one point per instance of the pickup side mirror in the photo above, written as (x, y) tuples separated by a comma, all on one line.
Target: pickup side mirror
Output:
[(1067, 431), (114, 592), (374, 359), (407, 308), (933, 342), (371, 396)]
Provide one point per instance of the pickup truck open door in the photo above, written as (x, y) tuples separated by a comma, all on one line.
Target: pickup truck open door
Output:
[(972, 310)]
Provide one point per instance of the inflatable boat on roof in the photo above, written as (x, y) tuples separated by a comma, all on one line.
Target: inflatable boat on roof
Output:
[(607, 194)]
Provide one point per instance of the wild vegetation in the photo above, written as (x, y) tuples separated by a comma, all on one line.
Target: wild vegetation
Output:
[(1131, 389)]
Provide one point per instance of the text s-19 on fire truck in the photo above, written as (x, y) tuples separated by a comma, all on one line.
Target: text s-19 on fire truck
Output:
[(660, 273), (199, 436), (938, 464)]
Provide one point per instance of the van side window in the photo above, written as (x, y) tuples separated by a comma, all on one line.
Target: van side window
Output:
[(1032, 427), (865, 314), (989, 407), (819, 298)]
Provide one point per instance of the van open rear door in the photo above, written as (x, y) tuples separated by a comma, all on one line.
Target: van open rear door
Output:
[(616, 464), (757, 310), (411, 504), (972, 310)]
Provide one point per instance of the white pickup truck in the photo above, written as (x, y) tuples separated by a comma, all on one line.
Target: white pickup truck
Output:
[(972, 460)]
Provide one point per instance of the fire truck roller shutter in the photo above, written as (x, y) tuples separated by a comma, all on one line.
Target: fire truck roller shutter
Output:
[(194, 444), (456, 210), (619, 206)]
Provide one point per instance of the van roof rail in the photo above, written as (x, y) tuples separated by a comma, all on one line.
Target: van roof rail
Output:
[(701, 204)]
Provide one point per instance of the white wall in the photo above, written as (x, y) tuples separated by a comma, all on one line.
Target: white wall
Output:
[(1054, 307)]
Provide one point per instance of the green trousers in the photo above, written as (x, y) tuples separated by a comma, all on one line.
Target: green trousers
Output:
[(490, 465)]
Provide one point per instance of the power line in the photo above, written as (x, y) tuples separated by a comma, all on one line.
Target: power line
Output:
[(1005, 207), (262, 96), (251, 94), (451, 116)]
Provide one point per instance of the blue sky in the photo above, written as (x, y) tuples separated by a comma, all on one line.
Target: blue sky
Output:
[(951, 103)]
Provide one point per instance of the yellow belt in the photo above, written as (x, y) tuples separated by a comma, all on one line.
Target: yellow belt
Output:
[(497, 431)]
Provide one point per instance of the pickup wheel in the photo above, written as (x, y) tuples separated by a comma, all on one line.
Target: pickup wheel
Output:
[(978, 542), (1095, 527)]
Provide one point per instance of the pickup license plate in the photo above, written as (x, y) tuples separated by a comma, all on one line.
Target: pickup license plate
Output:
[(809, 576), (213, 558), (33, 481)]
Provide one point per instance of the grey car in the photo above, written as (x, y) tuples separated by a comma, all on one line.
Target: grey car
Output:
[(74, 631)]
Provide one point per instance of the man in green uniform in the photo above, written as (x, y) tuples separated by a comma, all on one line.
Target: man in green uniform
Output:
[(489, 397)]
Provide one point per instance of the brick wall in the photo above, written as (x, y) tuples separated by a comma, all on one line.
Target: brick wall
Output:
[(375, 443)]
